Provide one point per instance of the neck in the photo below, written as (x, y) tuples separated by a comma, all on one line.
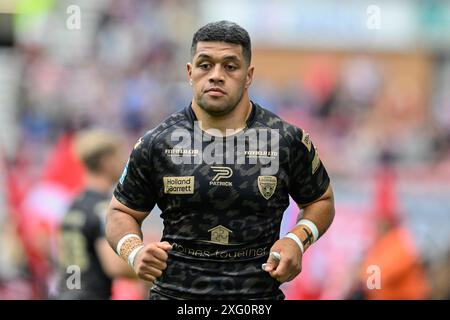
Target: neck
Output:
[(235, 120), (98, 183)]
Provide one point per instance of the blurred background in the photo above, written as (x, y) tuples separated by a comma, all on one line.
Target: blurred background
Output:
[(369, 80)]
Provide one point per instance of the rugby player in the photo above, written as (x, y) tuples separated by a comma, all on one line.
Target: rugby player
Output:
[(221, 194), (84, 251)]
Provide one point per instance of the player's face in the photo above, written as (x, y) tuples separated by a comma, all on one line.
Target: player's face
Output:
[(219, 76)]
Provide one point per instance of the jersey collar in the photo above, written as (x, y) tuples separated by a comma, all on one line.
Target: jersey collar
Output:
[(250, 120)]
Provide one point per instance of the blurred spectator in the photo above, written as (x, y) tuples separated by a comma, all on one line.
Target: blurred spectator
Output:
[(394, 253)]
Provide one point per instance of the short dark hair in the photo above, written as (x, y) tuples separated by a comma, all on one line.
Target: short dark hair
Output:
[(225, 31)]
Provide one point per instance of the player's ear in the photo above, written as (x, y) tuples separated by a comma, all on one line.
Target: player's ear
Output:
[(189, 72), (249, 79)]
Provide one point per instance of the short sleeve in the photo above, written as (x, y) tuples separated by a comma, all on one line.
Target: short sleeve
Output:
[(308, 177), (134, 188)]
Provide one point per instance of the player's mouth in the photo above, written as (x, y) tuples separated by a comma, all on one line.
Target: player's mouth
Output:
[(215, 92)]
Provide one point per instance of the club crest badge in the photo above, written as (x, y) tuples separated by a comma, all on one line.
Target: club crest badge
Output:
[(267, 186)]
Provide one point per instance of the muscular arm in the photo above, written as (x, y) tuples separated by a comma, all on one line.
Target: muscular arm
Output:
[(320, 212), (150, 261), (122, 220)]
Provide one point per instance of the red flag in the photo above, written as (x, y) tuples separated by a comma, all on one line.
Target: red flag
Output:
[(63, 167)]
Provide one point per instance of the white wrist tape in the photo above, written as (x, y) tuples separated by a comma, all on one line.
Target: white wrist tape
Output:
[(311, 226), (123, 239), (294, 237), (133, 255)]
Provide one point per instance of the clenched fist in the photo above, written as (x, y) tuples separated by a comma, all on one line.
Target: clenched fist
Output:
[(285, 260), (150, 261)]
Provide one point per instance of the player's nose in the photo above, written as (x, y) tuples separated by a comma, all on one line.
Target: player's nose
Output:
[(216, 74)]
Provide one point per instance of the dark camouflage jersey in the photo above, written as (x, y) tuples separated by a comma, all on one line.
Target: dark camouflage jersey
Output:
[(82, 226), (223, 217)]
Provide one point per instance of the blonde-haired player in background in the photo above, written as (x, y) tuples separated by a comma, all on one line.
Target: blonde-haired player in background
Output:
[(82, 240)]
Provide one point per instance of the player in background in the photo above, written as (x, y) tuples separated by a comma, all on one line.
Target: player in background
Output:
[(83, 249)]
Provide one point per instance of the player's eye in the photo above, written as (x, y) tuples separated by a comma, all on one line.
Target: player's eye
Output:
[(205, 66), (230, 67)]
